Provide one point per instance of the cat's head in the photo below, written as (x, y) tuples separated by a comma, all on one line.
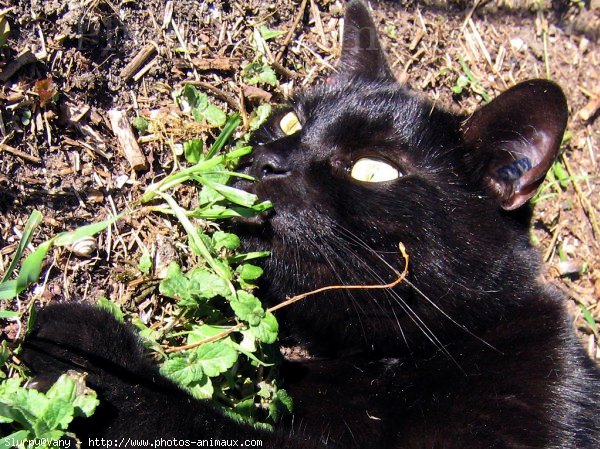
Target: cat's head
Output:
[(359, 164)]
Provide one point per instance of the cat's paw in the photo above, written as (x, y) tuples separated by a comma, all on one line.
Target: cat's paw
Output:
[(80, 337)]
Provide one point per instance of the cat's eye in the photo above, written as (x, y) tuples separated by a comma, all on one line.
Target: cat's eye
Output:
[(369, 169), (290, 124)]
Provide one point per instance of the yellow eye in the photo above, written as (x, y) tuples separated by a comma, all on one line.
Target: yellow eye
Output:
[(373, 170), (290, 123)]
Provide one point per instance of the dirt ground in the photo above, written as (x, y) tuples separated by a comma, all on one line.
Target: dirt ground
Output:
[(66, 64)]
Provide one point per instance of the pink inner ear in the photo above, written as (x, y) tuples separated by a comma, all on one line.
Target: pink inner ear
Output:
[(517, 136)]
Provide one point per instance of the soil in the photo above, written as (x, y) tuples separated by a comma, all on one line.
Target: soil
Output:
[(65, 66)]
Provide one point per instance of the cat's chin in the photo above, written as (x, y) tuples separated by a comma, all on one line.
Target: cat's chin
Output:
[(252, 224)]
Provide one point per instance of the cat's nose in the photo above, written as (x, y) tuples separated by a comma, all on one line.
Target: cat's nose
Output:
[(269, 164)]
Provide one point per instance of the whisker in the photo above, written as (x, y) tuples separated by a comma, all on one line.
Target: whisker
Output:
[(364, 245), (421, 325)]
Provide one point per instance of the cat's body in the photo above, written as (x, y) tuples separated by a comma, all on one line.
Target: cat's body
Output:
[(469, 352)]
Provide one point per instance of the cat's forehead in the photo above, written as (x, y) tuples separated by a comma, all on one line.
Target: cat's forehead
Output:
[(359, 113)]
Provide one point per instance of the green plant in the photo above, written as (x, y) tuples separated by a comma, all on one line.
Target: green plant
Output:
[(589, 319), (467, 80), (41, 419), (259, 70), (202, 110), (219, 345), (224, 333), (32, 265)]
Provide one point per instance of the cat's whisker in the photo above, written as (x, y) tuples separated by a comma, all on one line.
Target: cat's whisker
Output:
[(320, 249), (417, 320), (452, 320), (421, 325), (364, 245)]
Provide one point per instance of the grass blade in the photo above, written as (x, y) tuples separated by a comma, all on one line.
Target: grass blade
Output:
[(230, 126), (67, 238), (32, 222)]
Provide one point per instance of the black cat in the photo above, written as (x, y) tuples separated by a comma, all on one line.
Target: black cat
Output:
[(469, 352)]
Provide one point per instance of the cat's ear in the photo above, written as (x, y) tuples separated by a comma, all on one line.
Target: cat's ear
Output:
[(513, 141), (362, 54)]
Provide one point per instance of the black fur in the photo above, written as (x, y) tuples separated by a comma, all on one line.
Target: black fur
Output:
[(470, 352)]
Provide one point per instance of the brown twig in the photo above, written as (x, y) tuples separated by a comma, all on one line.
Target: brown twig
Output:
[(290, 33), (19, 153), (138, 61), (233, 104), (293, 299), (590, 109)]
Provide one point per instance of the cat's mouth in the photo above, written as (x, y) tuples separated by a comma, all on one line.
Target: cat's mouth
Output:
[(259, 220)]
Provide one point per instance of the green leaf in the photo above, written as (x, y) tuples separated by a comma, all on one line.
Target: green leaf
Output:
[(234, 195), (145, 263), (4, 353), (65, 389), (561, 174), (230, 126), (9, 289), (192, 150), (67, 238), (267, 329), (214, 115), (206, 284), (260, 115), (149, 336), (204, 331), (267, 76), (29, 273), (257, 72), (589, 318), (181, 370), (249, 272), (141, 124), (4, 31), (112, 308), (267, 33), (175, 285), (195, 238), (462, 81), (33, 314), (281, 404), (200, 107), (247, 307), (203, 389), (4, 314), (15, 439), (208, 195), (58, 414), (86, 404), (35, 218), (215, 358), (192, 98), (246, 409), (239, 258), (225, 240)]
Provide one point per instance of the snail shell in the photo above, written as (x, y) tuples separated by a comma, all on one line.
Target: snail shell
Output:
[(84, 247)]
